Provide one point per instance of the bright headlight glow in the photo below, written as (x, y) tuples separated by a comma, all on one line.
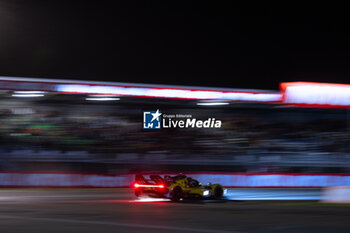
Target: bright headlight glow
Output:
[(177, 93), (206, 193), (102, 99), (29, 92), (212, 103), (27, 95)]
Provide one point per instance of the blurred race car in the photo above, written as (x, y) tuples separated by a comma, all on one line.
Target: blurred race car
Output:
[(176, 188)]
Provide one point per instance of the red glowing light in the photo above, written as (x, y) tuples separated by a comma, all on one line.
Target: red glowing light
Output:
[(148, 185)]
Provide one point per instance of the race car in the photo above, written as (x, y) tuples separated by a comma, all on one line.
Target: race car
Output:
[(176, 188)]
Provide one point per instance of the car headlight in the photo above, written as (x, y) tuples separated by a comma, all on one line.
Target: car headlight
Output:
[(206, 193)]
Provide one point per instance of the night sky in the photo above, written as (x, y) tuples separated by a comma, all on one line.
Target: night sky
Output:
[(188, 43)]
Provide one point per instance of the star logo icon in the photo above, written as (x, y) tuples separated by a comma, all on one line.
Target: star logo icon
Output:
[(155, 116), (151, 119)]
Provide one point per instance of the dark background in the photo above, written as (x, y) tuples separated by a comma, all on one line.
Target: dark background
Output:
[(220, 44)]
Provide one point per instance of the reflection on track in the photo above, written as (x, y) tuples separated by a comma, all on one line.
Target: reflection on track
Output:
[(273, 194), (150, 200), (126, 195), (258, 194)]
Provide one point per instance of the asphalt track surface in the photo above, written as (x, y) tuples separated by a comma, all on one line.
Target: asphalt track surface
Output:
[(116, 210)]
